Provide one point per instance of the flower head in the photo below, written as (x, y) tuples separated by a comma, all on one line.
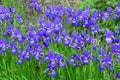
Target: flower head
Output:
[(118, 75), (12, 9), (3, 45), (109, 10)]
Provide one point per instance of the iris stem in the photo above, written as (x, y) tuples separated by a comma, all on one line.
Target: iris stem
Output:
[(68, 73)]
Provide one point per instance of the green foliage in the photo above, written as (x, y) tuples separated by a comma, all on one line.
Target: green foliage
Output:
[(83, 4), (97, 4), (103, 4)]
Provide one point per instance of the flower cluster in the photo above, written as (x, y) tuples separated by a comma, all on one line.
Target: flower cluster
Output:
[(34, 4), (54, 60), (4, 14), (52, 28)]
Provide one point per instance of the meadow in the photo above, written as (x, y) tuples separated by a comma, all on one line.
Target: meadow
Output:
[(59, 42)]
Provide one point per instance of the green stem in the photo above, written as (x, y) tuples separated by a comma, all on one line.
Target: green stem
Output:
[(68, 73)]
